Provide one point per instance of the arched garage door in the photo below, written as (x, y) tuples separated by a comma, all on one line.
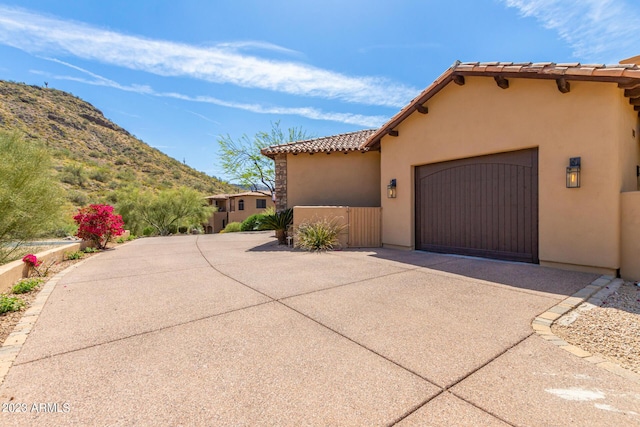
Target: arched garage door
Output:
[(482, 206)]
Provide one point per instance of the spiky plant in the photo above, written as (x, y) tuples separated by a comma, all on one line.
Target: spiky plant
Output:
[(279, 222)]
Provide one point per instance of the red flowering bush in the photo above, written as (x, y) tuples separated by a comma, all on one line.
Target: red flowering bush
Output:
[(31, 260), (33, 263), (98, 224)]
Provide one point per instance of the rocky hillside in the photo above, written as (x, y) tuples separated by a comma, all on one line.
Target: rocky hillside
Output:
[(92, 155)]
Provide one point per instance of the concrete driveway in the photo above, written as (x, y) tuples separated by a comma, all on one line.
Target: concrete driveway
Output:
[(233, 330)]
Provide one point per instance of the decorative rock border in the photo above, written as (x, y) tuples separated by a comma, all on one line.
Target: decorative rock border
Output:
[(594, 294), (12, 345)]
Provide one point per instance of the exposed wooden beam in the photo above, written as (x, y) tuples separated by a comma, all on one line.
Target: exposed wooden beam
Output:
[(634, 101), (563, 85), (636, 107), (459, 80), (393, 133), (502, 82), (422, 109), (629, 85), (631, 93)]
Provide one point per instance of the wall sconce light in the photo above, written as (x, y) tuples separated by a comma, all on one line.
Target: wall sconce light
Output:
[(573, 173), (391, 189)]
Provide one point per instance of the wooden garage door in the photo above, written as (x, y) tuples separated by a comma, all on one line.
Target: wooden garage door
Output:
[(482, 206)]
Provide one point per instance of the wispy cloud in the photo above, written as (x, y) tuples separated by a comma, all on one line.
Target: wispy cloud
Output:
[(222, 63), (258, 45), (596, 30), (203, 117), (307, 112)]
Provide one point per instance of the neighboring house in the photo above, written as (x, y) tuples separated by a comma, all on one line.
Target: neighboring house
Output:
[(482, 165), (235, 208)]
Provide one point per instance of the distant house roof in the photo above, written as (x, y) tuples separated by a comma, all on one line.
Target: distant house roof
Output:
[(626, 75), (352, 141), (235, 195)]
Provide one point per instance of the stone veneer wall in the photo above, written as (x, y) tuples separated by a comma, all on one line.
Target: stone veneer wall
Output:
[(281, 182)]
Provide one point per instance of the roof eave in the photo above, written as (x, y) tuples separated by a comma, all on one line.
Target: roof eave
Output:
[(444, 79), (448, 76)]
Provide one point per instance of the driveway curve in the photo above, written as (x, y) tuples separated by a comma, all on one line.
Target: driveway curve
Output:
[(233, 329)]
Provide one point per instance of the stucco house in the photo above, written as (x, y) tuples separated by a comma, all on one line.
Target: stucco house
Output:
[(235, 208), (333, 170), (533, 162)]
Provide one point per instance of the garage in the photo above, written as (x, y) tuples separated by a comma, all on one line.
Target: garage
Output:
[(483, 206)]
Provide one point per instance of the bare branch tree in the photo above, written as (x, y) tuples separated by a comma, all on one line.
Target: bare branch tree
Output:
[(242, 161)]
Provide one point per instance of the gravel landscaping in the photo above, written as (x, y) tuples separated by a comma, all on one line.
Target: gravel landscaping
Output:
[(611, 330)]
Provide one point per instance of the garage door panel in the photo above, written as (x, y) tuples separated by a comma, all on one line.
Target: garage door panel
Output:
[(483, 206)]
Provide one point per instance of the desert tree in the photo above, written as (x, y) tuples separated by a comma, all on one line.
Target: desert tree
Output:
[(245, 165), (30, 197), (164, 211)]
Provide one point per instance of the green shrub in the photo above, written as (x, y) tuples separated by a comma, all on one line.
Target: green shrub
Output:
[(78, 198), (26, 285), (90, 250), (30, 198), (319, 235), (279, 222), (8, 304), (233, 227), (125, 239), (101, 175), (74, 174), (74, 255), (252, 222)]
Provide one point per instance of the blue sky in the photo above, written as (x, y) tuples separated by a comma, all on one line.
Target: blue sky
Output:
[(177, 74)]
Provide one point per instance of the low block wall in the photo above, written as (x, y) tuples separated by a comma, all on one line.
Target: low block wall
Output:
[(630, 236), (362, 224), (12, 272)]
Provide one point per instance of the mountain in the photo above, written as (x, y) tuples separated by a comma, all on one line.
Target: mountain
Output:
[(92, 155)]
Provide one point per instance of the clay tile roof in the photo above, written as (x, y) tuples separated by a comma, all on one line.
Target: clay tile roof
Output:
[(244, 194), (344, 142), (624, 74)]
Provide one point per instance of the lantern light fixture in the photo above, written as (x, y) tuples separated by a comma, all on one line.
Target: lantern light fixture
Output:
[(573, 173), (391, 189)]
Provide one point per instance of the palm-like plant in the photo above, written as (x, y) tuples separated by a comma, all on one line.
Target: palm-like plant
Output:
[(278, 221)]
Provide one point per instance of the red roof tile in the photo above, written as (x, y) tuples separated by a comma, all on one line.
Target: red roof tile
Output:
[(352, 141), (616, 73)]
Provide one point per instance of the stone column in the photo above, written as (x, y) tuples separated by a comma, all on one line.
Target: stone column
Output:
[(281, 181)]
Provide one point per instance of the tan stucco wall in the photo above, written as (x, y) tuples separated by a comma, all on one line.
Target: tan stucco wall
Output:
[(351, 179), (217, 220), (249, 207), (579, 227), (339, 214), (630, 265), (11, 272)]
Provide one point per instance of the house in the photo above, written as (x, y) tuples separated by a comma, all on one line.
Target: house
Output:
[(333, 170), (533, 162), (236, 208)]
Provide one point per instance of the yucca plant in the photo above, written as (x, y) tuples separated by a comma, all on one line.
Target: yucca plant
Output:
[(278, 221), (319, 235)]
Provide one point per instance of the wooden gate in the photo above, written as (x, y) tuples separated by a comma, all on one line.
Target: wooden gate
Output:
[(365, 227)]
